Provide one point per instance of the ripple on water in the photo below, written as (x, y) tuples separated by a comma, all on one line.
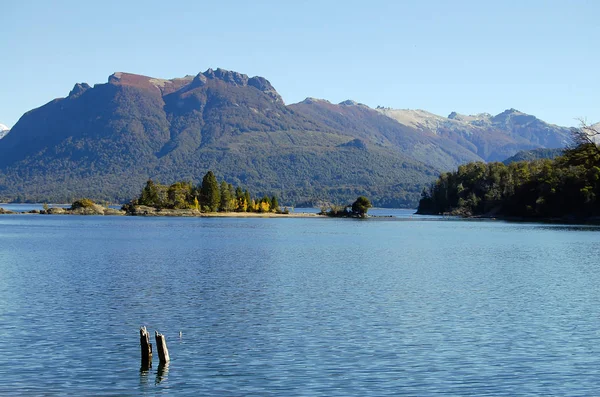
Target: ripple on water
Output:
[(298, 306)]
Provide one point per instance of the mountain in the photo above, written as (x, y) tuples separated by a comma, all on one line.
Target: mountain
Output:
[(535, 154), (105, 141), (3, 130), (492, 138), (358, 120)]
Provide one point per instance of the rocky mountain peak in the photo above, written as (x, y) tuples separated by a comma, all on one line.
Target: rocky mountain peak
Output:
[(115, 77), (227, 76), (350, 102), (238, 79), (512, 115), (509, 112), (476, 119), (265, 86), (311, 100), (79, 89)]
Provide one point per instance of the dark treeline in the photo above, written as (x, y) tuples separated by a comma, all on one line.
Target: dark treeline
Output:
[(568, 186), (209, 196)]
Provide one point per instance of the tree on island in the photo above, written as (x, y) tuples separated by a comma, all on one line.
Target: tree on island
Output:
[(274, 204), (361, 206), (150, 194), (210, 195), (358, 209), (226, 198)]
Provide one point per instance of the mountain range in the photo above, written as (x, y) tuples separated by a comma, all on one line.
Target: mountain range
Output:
[(105, 141)]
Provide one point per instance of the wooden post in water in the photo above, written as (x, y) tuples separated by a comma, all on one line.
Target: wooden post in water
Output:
[(161, 347), (146, 348)]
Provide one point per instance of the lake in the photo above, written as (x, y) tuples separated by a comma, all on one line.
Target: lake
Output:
[(299, 307)]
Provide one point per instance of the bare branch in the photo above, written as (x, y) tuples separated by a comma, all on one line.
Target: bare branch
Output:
[(585, 135)]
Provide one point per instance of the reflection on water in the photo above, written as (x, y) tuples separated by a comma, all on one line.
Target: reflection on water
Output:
[(144, 375), (162, 372), (321, 307)]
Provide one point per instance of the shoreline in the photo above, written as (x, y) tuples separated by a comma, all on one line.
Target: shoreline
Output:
[(153, 212), (567, 219)]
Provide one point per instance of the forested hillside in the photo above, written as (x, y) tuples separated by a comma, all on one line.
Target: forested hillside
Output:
[(568, 186), (106, 141)]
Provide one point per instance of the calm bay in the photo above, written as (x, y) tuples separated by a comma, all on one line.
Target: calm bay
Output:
[(404, 305)]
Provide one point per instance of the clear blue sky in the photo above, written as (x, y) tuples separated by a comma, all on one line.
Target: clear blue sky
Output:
[(541, 57)]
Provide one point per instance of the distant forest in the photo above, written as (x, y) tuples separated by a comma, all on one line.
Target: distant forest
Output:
[(567, 186)]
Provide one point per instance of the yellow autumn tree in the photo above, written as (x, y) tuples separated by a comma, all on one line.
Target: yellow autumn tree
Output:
[(264, 207)]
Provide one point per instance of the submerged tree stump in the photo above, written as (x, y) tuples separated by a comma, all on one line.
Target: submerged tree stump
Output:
[(146, 347), (161, 347)]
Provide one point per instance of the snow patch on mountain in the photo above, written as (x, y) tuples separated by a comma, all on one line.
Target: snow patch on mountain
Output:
[(3, 130)]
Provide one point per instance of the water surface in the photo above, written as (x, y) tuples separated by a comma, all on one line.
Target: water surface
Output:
[(298, 307)]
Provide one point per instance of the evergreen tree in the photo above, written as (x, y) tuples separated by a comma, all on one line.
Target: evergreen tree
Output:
[(248, 200), (361, 206), (149, 194), (225, 197), (209, 192), (267, 200), (274, 204), (179, 195), (239, 193), (239, 200)]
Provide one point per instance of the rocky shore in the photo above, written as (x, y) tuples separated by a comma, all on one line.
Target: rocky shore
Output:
[(95, 209), (142, 210)]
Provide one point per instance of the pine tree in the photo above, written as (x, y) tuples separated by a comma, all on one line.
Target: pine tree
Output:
[(209, 192), (249, 203), (225, 197), (150, 195), (274, 204), (232, 198)]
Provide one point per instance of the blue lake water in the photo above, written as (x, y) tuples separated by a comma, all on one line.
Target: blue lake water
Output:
[(299, 307)]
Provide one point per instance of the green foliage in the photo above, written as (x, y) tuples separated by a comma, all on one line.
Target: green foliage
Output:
[(336, 210), (107, 141), (535, 154), (226, 198), (183, 195), (210, 195), (179, 195), (150, 194), (566, 186), (82, 203), (361, 206), (247, 200)]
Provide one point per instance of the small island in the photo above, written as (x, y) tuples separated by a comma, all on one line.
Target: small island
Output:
[(358, 209), (209, 199)]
